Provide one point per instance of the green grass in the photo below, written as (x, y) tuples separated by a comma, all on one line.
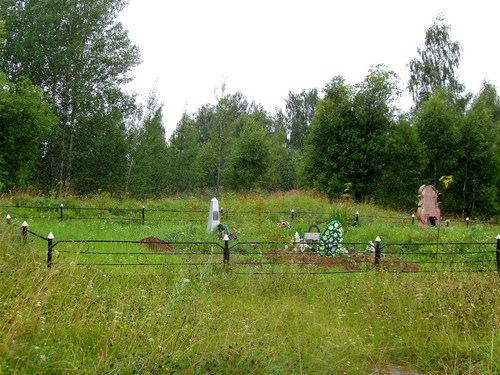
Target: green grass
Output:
[(209, 319)]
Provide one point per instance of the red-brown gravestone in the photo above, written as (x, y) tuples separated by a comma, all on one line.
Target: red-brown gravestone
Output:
[(428, 211)]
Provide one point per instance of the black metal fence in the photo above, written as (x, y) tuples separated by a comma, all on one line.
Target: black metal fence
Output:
[(140, 215), (143, 215), (278, 258)]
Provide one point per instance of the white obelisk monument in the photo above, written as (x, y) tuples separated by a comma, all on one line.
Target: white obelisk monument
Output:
[(213, 215)]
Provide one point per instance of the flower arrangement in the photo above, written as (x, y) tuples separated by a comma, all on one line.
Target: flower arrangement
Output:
[(299, 246), (283, 224), (370, 248), (331, 239)]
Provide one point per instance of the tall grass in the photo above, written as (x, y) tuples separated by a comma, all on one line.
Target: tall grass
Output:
[(209, 319)]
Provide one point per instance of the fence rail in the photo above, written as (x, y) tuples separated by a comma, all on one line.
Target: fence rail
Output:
[(143, 215), (276, 258)]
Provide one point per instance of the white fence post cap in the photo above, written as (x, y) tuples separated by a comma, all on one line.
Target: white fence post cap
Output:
[(378, 239), (50, 236), (25, 224), (357, 212), (62, 205), (226, 237), (8, 217), (498, 236)]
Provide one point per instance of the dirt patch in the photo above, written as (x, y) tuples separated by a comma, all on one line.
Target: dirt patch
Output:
[(158, 245), (350, 262)]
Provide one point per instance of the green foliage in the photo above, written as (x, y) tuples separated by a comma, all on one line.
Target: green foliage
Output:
[(100, 155), (221, 130), (349, 134), (477, 188), (79, 56), (300, 109), (249, 159), (437, 63), (405, 164), (183, 166), (206, 149), (344, 213), (437, 122), (25, 120), (147, 170)]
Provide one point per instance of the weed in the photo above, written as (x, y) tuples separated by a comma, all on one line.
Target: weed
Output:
[(207, 318)]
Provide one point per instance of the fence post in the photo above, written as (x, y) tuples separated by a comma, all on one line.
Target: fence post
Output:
[(498, 253), (61, 208), (25, 231), (9, 219), (377, 251), (412, 219), (221, 213), (143, 215), (50, 240), (467, 222), (357, 218), (226, 249), (293, 214)]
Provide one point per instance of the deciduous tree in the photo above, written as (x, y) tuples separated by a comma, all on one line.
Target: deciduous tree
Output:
[(437, 122), (349, 134), (77, 53), (249, 160), (183, 165), (437, 64), (148, 157), (299, 109), (477, 178), (25, 119)]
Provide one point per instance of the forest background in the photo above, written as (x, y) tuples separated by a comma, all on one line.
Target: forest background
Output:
[(68, 125)]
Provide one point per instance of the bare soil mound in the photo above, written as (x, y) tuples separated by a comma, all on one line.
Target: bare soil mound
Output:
[(154, 243), (350, 262)]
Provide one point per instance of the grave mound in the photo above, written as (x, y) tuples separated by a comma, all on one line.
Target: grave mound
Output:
[(349, 262), (163, 246)]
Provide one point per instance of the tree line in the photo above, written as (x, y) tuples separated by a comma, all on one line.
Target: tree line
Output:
[(68, 125)]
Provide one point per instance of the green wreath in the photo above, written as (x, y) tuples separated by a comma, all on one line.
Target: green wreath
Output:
[(330, 239)]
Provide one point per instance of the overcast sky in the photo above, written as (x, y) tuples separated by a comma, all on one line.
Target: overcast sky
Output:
[(266, 48)]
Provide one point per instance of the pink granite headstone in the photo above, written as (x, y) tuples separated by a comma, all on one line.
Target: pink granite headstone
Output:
[(428, 211)]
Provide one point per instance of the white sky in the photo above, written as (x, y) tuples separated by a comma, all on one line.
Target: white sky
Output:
[(266, 48)]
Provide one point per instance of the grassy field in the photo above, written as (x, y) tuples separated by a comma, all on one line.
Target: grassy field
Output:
[(210, 319)]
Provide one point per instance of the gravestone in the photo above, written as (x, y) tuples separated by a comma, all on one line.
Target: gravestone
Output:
[(213, 215), (428, 211), (312, 236)]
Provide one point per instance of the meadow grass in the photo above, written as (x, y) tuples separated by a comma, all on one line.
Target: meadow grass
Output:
[(211, 319)]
